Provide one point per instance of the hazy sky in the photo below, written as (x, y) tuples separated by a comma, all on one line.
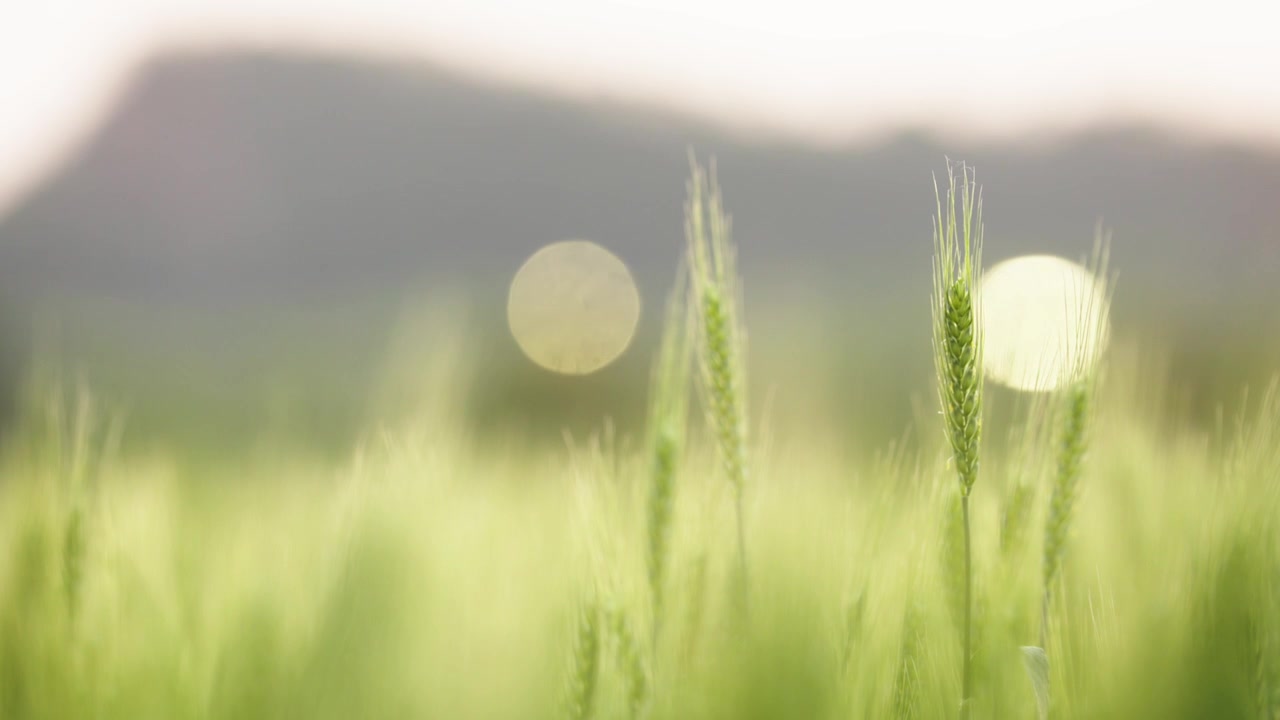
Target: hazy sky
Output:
[(821, 70)]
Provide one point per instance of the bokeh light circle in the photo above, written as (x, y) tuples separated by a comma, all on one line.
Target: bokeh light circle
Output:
[(573, 307), (1044, 321)]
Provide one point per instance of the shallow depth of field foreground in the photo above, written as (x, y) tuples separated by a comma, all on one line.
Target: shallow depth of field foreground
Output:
[(1084, 551)]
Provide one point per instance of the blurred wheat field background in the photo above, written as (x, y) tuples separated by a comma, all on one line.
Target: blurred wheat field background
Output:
[(717, 561)]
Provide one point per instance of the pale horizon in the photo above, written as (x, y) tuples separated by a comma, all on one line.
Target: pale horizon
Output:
[(817, 72)]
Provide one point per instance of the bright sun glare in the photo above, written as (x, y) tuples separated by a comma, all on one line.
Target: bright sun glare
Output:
[(1044, 321), (573, 307)]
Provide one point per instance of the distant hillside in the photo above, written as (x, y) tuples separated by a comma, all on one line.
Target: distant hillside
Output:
[(225, 184), (239, 177)]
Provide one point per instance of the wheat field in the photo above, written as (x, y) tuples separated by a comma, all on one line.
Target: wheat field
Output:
[(1113, 558)]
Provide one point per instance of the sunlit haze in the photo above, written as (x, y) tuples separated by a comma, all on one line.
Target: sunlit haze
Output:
[(822, 71), (1045, 321), (573, 307)]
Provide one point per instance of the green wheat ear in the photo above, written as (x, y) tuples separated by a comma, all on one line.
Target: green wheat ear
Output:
[(585, 671), (1074, 423), (1077, 402), (92, 444), (629, 662), (957, 338), (957, 352), (1071, 453), (715, 298), (668, 414)]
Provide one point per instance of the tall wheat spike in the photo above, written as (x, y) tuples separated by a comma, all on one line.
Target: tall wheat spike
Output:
[(668, 414), (957, 344), (721, 338), (630, 663), (1076, 418), (93, 443), (585, 671)]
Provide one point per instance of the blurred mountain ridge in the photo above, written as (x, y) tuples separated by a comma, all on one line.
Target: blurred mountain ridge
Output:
[(246, 177)]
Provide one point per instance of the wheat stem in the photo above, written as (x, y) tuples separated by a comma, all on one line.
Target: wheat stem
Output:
[(721, 338), (957, 342), (1073, 443), (630, 663), (667, 423), (661, 502), (968, 612)]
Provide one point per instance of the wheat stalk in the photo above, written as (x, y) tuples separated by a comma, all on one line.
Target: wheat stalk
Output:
[(93, 443), (1076, 419), (667, 419), (715, 295), (1071, 453), (630, 663), (957, 343), (953, 559), (585, 671)]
